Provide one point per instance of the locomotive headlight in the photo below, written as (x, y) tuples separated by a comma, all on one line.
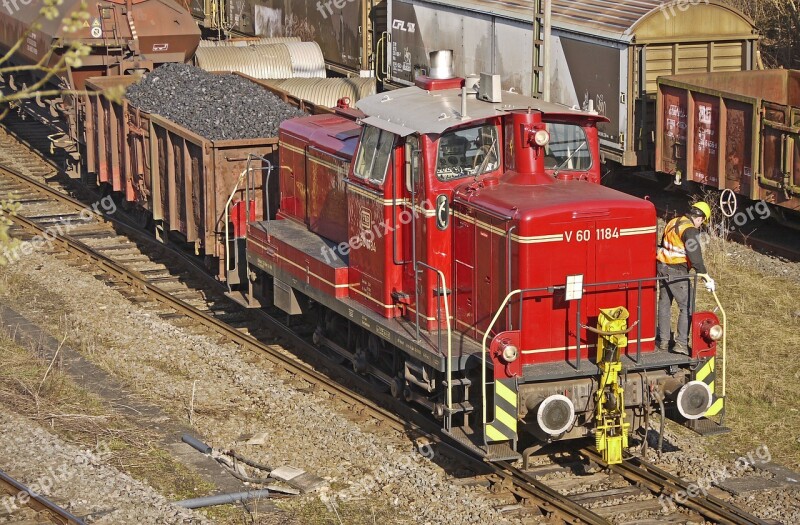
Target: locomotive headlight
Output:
[(510, 353), (541, 137), (715, 332)]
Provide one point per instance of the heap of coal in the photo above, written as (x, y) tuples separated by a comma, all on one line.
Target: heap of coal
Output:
[(218, 107)]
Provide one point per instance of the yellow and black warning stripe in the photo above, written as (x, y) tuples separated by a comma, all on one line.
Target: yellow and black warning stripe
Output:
[(504, 426), (707, 374)]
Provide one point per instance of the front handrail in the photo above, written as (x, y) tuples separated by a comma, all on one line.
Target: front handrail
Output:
[(483, 348), (724, 339)]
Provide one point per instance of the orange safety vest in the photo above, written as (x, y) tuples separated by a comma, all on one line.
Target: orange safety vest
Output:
[(672, 249)]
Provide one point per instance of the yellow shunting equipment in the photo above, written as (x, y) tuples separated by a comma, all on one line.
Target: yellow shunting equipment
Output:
[(612, 430)]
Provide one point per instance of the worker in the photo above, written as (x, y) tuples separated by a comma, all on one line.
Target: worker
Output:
[(679, 252)]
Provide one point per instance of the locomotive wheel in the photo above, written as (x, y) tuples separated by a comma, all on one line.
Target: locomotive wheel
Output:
[(397, 386)]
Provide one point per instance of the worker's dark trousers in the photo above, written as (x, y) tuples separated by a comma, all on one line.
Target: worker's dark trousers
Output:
[(678, 291)]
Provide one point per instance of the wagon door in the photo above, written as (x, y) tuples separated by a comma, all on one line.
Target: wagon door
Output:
[(780, 146)]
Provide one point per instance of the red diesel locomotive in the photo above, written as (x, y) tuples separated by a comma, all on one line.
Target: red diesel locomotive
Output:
[(453, 241)]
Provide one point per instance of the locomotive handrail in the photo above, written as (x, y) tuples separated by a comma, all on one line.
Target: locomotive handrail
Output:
[(449, 367), (606, 333), (483, 348), (724, 339)]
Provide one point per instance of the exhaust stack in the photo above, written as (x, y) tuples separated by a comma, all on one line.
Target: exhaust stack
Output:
[(441, 64)]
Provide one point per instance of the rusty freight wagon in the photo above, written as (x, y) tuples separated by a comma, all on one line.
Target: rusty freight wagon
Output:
[(187, 183), (736, 130)]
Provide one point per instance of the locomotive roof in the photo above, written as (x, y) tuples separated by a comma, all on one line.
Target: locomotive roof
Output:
[(331, 133), (571, 199), (415, 110)]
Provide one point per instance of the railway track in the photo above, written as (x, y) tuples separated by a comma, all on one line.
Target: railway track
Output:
[(170, 283), (37, 502), (676, 491)]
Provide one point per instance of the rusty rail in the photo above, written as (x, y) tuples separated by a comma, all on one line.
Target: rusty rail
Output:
[(36, 501)]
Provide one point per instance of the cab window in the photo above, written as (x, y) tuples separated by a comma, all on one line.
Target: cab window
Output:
[(468, 153), (413, 160), (374, 152), (568, 149)]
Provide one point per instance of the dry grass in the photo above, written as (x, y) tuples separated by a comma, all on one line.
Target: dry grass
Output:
[(763, 368), (52, 399), (134, 449)]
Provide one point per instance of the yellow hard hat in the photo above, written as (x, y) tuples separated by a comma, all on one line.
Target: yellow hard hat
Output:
[(704, 208)]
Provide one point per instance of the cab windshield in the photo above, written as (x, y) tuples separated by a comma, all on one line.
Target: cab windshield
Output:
[(568, 148), (468, 153)]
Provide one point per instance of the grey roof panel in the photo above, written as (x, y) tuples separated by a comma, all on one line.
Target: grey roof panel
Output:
[(433, 112)]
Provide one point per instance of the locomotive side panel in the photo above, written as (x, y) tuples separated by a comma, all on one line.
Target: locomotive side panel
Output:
[(292, 171), (327, 198)]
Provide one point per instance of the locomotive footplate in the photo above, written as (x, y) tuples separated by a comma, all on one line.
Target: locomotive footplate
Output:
[(320, 279), (587, 368), (474, 443)]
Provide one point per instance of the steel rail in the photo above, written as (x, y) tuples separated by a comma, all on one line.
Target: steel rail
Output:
[(65, 199), (554, 502), (140, 283), (681, 492), (37, 502)]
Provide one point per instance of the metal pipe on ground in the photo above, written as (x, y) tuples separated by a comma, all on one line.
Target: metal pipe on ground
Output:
[(223, 499), (196, 444)]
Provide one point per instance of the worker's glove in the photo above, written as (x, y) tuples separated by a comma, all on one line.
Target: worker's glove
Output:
[(711, 286)]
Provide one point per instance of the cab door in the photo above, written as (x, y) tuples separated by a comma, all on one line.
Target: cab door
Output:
[(371, 223)]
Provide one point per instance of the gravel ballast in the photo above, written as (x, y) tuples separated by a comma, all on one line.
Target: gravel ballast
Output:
[(215, 106), (77, 479)]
